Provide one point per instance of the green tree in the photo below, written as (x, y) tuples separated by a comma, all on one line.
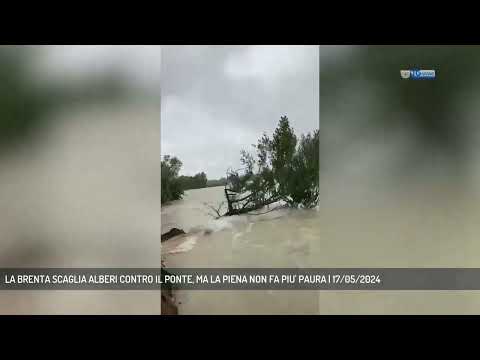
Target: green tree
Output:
[(197, 181), (171, 188), (282, 149), (304, 174), (283, 169)]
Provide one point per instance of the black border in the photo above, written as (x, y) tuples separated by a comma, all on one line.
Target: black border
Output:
[(177, 334), (201, 23)]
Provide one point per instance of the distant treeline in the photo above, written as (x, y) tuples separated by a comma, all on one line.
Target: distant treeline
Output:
[(197, 181), (220, 182), (174, 185)]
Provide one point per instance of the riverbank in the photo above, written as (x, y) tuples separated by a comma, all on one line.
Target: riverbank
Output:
[(168, 303)]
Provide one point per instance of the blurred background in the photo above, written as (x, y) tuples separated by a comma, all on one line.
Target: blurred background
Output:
[(79, 170), (399, 178)]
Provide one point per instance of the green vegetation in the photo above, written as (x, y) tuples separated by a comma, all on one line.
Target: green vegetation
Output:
[(284, 169), (220, 182), (173, 185), (193, 182), (171, 188)]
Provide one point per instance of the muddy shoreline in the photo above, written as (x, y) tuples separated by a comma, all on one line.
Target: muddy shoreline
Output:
[(169, 305), (172, 233)]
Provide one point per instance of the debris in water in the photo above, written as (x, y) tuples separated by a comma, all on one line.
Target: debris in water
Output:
[(172, 233)]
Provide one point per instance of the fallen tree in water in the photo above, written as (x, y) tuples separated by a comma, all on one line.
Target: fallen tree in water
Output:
[(238, 203), (284, 171)]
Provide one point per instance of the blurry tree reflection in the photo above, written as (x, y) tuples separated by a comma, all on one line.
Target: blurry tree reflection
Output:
[(432, 110), (25, 103)]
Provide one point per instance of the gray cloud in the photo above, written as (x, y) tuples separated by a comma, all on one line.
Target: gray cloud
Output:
[(217, 100)]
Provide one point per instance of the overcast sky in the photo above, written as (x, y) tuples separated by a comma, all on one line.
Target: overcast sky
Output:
[(217, 100)]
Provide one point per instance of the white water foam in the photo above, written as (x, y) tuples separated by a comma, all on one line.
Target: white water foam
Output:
[(185, 246)]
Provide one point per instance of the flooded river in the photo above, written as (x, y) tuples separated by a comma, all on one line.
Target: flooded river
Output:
[(426, 227), (281, 238)]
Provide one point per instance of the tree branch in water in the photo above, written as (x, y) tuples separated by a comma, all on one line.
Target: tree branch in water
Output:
[(216, 210)]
